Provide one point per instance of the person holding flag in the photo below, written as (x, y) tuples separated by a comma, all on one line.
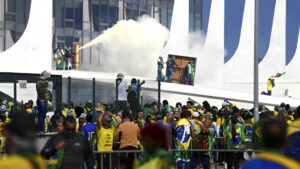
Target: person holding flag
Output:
[(271, 84)]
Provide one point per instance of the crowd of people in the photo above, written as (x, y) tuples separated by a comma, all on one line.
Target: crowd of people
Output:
[(180, 128), (167, 136)]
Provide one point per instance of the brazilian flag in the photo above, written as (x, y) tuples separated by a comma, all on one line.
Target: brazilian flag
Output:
[(55, 161), (279, 74)]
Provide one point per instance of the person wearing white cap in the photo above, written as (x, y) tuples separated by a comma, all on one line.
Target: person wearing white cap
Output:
[(225, 104), (122, 95), (196, 114), (195, 156)]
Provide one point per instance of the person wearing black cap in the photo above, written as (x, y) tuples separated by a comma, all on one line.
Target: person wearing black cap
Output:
[(76, 150), (20, 144)]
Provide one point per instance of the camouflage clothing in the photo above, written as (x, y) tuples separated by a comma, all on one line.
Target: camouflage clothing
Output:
[(42, 90)]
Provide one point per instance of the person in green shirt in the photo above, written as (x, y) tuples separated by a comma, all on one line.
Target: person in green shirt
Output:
[(256, 134), (167, 108), (234, 138), (147, 110)]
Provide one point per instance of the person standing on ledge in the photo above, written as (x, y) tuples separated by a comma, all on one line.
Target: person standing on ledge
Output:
[(160, 66), (60, 57), (170, 68), (44, 96)]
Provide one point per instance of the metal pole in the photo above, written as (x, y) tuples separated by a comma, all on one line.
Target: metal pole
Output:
[(158, 102), (138, 93), (256, 97), (110, 163), (94, 95), (117, 98), (69, 91), (15, 94), (101, 160)]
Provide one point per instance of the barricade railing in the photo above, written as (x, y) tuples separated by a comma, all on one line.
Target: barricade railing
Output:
[(113, 159)]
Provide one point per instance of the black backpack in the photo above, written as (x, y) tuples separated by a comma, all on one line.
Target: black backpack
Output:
[(201, 141)]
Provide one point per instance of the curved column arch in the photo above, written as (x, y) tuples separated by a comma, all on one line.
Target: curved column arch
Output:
[(239, 69), (274, 60), (209, 68), (32, 53)]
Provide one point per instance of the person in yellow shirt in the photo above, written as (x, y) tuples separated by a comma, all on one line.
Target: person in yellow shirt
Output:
[(20, 136), (107, 125), (2, 139), (270, 85)]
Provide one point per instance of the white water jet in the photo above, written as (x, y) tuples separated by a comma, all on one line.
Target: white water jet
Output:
[(131, 47)]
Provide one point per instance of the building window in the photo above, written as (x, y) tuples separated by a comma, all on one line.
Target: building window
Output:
[(69, 24), (95, 19), (163, 17), (11, 6), (69, 13), (10, 11), (78, 15), (104, 12), (113, 15)]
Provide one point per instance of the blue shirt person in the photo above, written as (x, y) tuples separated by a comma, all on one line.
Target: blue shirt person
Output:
[(89, 131)]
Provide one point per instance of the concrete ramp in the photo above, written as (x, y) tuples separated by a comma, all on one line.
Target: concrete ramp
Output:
[(172, 92)]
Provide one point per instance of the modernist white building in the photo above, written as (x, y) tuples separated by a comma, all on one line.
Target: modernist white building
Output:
[(33, 52)]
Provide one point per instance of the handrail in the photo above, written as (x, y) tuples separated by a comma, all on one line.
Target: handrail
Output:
[(175, 150)]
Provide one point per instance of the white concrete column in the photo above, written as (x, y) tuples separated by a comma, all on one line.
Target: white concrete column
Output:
[(210, 61), (274, 60), (32, 53)]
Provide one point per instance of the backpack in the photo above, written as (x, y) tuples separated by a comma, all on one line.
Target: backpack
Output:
[(132, 97), (201, 141)]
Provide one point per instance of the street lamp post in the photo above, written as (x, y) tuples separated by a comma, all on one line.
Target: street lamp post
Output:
[(256, 96)]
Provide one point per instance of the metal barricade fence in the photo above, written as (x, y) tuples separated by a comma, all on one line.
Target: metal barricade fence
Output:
[(111, 159), (115, 159)]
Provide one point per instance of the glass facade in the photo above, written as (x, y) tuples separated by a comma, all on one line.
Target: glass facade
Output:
[(195, 15), (82, 20)]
